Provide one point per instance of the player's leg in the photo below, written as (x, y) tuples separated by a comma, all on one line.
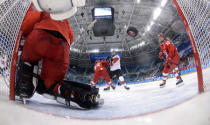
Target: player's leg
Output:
[(41, 45), (111, 75), (24, 74), (95, 79), (66, 92), (121, 78), (108, 80), (165, 74), (177, 74)]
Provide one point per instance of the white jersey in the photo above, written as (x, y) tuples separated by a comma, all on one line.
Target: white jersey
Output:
[(3, 61), (115, 64)]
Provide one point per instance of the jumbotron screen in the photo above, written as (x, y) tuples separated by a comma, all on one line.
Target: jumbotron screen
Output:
[(102, 13)]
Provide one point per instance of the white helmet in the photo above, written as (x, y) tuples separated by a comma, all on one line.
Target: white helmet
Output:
[(59, 9)]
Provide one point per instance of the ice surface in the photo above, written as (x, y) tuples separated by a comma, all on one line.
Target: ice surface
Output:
[(140, 99)]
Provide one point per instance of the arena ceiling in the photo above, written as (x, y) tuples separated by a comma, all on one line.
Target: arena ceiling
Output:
[(149, 17)]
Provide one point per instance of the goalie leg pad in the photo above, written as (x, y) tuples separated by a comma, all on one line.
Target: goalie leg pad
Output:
[(83, 94), (24, 80)]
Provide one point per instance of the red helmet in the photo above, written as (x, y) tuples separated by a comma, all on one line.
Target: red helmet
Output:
[(96, 62), (161, 35)]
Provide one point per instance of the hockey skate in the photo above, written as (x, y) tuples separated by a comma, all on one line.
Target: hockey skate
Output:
[(108, 88), (179, 82), (162, 85), (126, 87), (24, 83)]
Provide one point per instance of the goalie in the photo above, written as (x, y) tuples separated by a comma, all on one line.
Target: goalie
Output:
[(48, 38)]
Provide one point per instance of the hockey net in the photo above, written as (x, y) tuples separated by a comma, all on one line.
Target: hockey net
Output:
[(195, 15)]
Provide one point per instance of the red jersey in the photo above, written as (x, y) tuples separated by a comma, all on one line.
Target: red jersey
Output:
[(168, 49), (42, 20), (101, 65)]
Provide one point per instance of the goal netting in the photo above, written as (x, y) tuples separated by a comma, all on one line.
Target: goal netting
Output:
[(12, 12), (197, 17)]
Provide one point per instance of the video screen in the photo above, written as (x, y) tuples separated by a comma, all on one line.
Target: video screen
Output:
[(103, 13)]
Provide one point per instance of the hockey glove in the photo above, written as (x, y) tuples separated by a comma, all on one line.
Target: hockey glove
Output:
[(168, 60), (161, 55)]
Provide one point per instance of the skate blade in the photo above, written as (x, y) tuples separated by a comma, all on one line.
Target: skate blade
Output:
[(128, 88), (24, 100), (162, 86), (100, 102), (180, 84)]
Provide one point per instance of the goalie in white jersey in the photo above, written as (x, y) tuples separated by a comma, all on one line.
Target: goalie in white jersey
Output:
[(115, 70)]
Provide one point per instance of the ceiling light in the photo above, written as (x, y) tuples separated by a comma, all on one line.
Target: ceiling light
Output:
[(148, 28), (163, 3), (142, 43), (151, 23), (112, 49), (156, 13), (74, 49), (138, 1), (94, 50)]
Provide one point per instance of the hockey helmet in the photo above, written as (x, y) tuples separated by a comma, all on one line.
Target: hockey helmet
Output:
[(114, 53), (160, 35), (59, 10)]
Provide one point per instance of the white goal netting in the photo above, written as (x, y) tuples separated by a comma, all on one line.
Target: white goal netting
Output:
[(197, 13), (12, 13)]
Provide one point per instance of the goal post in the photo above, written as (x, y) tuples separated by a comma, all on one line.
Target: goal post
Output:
[(13, 67), (194, 48), (195, 16)]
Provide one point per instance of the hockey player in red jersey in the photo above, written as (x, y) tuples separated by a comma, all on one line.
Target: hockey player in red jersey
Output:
[(49, 41), (170, 53), (100, 70)]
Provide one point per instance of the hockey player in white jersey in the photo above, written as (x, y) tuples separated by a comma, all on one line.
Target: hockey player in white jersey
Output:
[(115, 70)]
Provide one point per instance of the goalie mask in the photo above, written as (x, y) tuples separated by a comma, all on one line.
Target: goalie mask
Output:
[(59, 9)]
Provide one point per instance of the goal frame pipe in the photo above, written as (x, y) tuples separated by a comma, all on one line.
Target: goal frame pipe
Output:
[(14, 62), (194, 48), (13, 66)]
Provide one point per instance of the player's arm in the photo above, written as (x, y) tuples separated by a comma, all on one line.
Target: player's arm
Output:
[(115, 59), (105, 64), (31, 18), (70, 31), (161, 54), (171, 50)]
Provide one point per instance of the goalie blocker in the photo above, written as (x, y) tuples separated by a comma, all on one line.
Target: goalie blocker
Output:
[(69, 92)]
